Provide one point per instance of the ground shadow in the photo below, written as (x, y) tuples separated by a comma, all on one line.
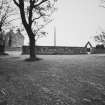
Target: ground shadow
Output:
[(33, 60)]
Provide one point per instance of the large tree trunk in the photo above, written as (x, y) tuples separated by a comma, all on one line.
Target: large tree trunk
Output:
[(2, 43), (32, 48)]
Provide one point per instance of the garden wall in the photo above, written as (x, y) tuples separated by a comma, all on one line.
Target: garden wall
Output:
[(50, 50), (99, 51)]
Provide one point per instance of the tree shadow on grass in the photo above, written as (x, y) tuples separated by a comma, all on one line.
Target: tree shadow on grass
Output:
[(33, 59)]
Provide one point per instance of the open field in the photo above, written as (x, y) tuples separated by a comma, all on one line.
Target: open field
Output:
[(54, 80)]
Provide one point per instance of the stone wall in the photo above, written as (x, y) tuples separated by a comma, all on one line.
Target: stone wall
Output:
[(99, 51), (44, 50)]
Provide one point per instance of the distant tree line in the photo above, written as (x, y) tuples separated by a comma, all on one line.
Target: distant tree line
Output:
[(100, 46)]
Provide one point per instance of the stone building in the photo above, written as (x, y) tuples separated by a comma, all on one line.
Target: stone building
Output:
[(14, 39)]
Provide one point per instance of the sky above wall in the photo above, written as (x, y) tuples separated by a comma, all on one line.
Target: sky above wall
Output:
[(76, 22)]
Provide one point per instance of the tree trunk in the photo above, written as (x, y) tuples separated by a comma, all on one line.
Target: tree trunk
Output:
[(32, 48), (2, 43)]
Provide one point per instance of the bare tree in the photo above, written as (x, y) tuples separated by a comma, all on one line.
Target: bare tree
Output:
[(5, 11), (35, 15), (100, 38)]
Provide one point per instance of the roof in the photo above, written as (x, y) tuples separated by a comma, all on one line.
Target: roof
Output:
[(88, 43)]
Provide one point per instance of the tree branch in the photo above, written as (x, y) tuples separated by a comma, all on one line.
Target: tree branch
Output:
[(12, 20), (36, 5), (43, 26), (36, 18), (22, 13), (16, 3), (30, 14)]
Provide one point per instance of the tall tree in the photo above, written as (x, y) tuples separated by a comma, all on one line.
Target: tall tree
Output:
[(5, 12), (35, 15)]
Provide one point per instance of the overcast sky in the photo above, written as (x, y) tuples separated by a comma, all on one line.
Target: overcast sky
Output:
[(77, 21)]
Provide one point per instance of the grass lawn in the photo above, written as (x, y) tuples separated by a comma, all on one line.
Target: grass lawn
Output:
[(54, 80)]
